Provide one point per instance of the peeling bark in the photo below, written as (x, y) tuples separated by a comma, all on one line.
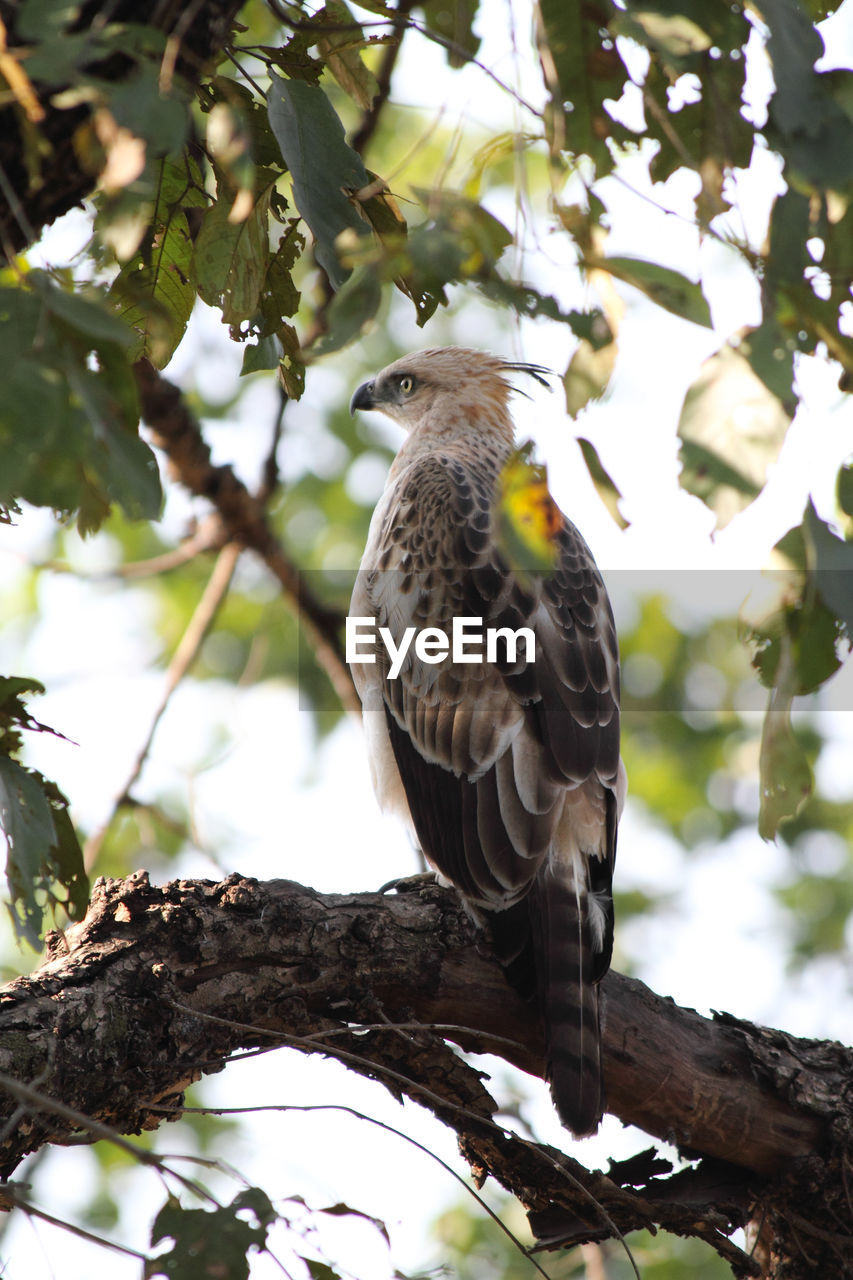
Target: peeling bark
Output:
[(159, 985)]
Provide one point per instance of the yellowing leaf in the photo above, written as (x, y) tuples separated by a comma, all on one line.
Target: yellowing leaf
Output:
[(528, 519)]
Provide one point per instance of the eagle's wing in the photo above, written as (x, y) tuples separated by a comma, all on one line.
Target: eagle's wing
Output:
[(510, 770)]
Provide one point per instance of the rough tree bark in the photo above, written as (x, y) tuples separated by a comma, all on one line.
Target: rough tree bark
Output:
[(159, 985)]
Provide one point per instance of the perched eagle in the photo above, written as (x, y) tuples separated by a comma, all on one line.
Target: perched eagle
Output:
[(509, 770)]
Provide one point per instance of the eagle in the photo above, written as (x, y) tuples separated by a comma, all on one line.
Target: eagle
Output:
[(508, 770)]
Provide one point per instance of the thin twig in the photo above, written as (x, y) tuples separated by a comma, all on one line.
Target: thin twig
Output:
[(357, 1027), (269, 472), (654, 108), (391, 52), (422, 1091), (210, 536), (38, 1101), (182, 659), (458, 50), (30, 1210), (18, 211), (380, 1124)]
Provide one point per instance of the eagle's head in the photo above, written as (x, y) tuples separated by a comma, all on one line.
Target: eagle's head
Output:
[(452, 382)]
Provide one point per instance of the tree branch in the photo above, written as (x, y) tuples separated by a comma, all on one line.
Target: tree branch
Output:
[(31, 200), (176, 432), (160, 985)]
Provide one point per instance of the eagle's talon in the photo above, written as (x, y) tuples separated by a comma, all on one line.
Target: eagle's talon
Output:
[(411, 884)]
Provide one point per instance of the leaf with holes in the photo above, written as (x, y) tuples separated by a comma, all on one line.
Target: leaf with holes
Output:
[(231, 259), (42, 850), (210, 1242), (322, 164), (155, 290)]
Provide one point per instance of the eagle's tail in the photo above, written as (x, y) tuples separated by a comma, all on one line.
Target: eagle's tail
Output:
[(568, 962)]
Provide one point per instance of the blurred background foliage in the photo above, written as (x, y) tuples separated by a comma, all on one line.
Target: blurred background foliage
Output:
[(306, 191)]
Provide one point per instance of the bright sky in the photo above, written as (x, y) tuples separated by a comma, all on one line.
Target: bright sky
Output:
[(276, 806)]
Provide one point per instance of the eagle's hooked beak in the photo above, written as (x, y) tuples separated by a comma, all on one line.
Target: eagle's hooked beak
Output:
[(363, 398)]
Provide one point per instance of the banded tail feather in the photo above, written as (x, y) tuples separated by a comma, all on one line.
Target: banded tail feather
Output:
[(550, 953), (568, 970)]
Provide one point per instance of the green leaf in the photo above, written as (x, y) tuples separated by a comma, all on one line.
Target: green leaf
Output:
[(58, 59), (231, 259), (319, 1270), (588, 326), (708, 134), (605, 487), (785, 776), (797, 634), (808, 125), (291, 370), (669, 289), (294, 59), (14, 716), (793, 47), (770, 353), (352, 309), (139, 104), (279, 295), (459, 240), (455, 24), (119, 466), (87, 317), (69, 867), (844, 489), (263, 354), (210, 1243), (674, 34), (580, 73), (26, 820), (731, 428), (37, 20), (263, 148), (69, 416), (832, 560), (341, 49), (41, 849), (323, 166), (155, 291), (11, 687)]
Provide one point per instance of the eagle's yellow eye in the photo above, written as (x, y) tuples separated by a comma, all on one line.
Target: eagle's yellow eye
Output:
[(407, 385)]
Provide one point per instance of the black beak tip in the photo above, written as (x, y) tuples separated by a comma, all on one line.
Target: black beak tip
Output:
[(363, 398)]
